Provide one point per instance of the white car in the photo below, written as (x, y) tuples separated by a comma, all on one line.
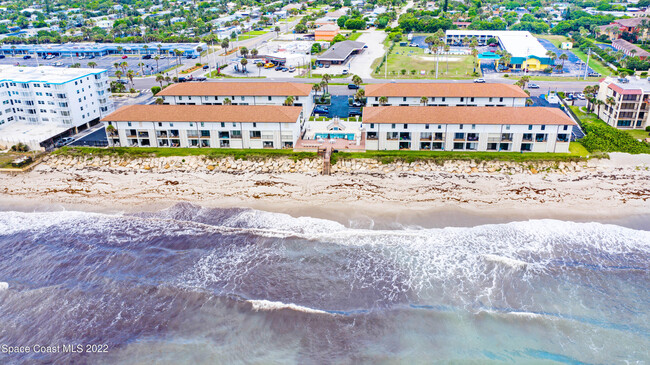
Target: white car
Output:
[(82, 57), (479, 81), (58, 63), (580, 96)]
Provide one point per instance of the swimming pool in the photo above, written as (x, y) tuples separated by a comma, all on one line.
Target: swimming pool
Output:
[(348, 136)]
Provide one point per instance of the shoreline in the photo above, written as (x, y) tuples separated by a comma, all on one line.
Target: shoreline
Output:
[(619, 192)]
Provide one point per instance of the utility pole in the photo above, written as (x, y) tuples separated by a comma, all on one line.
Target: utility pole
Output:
[(386, 64), (587, 65)]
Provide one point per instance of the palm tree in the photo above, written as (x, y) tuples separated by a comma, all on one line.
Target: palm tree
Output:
[(254, 52), (119, 49), (118, 74), (327, 79), (224, 45), (160, 79), (159, 48), (447, 48), (124, 66), (598, 104), (610, 102), (424, 100), (288, 101), (529, 102), (200, 49), (130, 74), (116, 65), (360, 94), (110, 130), (227, 101), (563, 57), (146, 49), (383, 100), (243, 62), (141, 68), (357, 80), (316, 88), (159, 101), (168, 80), (92, 64), (259, 65), (157, 58), (523, 80), (243, 51)]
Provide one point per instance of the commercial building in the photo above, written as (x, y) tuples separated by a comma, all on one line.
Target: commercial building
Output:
[(99, 49), (625, 102), (208, 126), (462, 128), (340, 53), (445, 94), (41, 104), (527, 53), (239, 93)]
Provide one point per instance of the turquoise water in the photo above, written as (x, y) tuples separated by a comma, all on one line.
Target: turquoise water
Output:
[(348, 136)]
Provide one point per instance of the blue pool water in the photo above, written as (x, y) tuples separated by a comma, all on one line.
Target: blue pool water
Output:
[(348, 136)]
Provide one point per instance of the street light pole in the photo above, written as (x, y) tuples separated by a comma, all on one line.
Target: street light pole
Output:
[(587, 64)]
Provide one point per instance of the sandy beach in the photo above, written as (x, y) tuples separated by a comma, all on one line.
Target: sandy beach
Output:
[(620, 187)]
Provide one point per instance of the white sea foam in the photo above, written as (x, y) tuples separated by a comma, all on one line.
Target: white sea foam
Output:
[(4, 286), (267, 305), (513, 263)]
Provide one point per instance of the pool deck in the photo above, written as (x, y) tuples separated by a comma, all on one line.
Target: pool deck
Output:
[(312, 145)]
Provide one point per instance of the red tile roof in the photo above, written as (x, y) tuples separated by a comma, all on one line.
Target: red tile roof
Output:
[(206, 113), (465, 115), (444, 89)]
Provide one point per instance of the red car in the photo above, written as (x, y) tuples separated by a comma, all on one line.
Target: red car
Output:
[(125, 56)]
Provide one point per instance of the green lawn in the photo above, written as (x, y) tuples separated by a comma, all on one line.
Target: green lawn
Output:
[(560, 78), (555, 39), (142, 152), (594, 63), (414, 58), (252, 34), (638, 133), (354, 36), (577, 149), (410, 156)]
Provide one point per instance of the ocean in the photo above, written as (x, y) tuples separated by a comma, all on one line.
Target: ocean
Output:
[(190, 285)]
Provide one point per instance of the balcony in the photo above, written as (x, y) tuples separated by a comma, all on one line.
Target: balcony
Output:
[(143, 134)]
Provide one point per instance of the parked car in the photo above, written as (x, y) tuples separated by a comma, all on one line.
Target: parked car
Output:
[(26, 57), (205, 67), (2, 56), (195, 57), (353, 86), (58, 63), (162, 57), (292, 69), (200, 78), (327, 65), (278, 68), (189, 57), (354, 112), (284, 69), (146, 57), (569, 96), (479, 81), (125, 57), (64, 141), (82, 57), (357, 104), (269, 65), (120, 81), (623, 80), (91, 57), (533, 86), (594, 74), (321, 110), (345, 72), (580, 96), (182, 79)]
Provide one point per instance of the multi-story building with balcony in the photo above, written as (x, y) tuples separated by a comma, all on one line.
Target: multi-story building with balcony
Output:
[(240, 93), (40, 104), (463, 128), (205, 126), (625, 102), (444, 94)]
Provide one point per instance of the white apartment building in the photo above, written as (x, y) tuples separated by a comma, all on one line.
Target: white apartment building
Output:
[(240, 93), (40, 104), (207, 126), (630, 107), (462, 128), (445, 94)]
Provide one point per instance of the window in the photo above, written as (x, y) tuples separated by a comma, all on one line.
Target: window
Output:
[(443, 99), (508, 127), (371, 135), (473, 126), (566, 127), (471, 99), (563, 137), (256, 134), (254, 125), (392, 125), (459, 146), (160, 124), (500, 99), (391, 136), (530, 127), (202, 124), (223, 125), (234, 124), (404, 99), (459, 135), (462, 99), (543, 127), (270, 98), (461, 126), (527, 137), (235, 134), (540, 137), (426, 126), (406, 126), (372, 125), (624, 123)]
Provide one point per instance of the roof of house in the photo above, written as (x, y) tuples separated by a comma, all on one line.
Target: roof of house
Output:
[(206, 113), (465, 115), (328, 28), (624, 45), (341, 50), (445, 89), (237, 89), (630, 22)]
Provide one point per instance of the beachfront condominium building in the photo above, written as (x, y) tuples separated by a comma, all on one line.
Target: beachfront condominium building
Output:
[(445, 94), (215, 126), (624, 102), (463, 128), (40, 104), (239, 93)]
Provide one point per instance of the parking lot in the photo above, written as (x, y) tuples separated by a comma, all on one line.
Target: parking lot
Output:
[(573, 66), (103, 62)]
